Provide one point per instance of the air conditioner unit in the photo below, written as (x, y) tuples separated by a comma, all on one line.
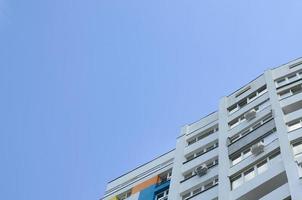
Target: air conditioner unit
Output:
[(257, 148), (201, 170), (250, 115)]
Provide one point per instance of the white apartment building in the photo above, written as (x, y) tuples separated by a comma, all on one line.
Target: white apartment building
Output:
[(250, 149)]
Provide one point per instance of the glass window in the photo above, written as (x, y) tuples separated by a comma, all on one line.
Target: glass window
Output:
[(249, 174), (235, 137), (297, 148), (201, 137), (236, 159), (162, 196), (208, 185), (292, 76), (267, 118), (233, 108), (188, 175), (190, 157), (242, 103), (234, 123), (196, 191), (257, 125), (247, 153), (210, 148), (280, 81), (274, 155), (285, 93), (186, 196), (236, 182), (297, 89), (252, 96), (192, 141), (262, 167), (262, 90), (199, 152), (294, 125)]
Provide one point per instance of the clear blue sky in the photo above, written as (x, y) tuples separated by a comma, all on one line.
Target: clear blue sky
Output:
[(93, 88)]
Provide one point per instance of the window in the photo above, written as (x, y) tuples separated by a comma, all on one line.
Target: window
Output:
[(297, 148), (288, 79), (202, 135), (274, 155), (202, 151), (124, 195), (285, 93), (270, 136), (294, 125), (235, 122), (200, 189), (208, 185), (242, 103), (252, 97), (246, 153), (196, 191), (262, 167), (292, 76), (188, 175), (233, 108), (297, 89), (253, 171), (295, 65), (249, 174), (237, 159), (192, 141), (236, 182), (190, 157), (163, 195), (165, 177), (186, 196), (280, 81), (291, 91)]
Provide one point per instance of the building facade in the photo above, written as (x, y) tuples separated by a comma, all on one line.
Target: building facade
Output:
[(250, 149)]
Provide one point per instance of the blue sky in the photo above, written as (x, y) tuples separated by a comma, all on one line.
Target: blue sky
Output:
[(91, 89)]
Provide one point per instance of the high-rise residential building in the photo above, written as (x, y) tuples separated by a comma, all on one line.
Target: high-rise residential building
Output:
[(249, 149)]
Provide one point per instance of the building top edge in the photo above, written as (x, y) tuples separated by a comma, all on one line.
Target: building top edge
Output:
[(124, 174)]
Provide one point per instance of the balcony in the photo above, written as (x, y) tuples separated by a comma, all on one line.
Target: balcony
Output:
[(290, 100), (262, 185), (210, 193), (244, 124), (252, 159), (249, 138), (199, 160), (200, 143), (295, 134), (249, 106), (188, 184)]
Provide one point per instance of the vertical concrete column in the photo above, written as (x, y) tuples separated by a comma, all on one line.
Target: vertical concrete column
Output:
[(177, 166), (285, 147), (224, 164)]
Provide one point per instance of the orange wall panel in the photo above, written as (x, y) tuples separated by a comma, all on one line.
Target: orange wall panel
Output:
[(144, 185)]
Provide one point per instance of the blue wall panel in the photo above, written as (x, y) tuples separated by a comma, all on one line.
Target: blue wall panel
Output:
[(150, 192)]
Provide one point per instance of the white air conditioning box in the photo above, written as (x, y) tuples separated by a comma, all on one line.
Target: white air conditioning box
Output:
[(257, 148), (250, 115), (201, 170)]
